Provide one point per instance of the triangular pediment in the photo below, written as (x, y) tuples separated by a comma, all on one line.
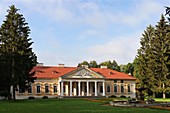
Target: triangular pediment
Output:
[(82, 73)]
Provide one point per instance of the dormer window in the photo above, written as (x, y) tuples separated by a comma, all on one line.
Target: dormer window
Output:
[(111, 73), (98, 72), (55, 72), (39, 71)]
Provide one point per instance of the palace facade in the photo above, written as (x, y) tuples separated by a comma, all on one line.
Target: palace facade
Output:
[(61, 81)]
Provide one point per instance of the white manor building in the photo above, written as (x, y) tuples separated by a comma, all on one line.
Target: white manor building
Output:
[(61, 81)]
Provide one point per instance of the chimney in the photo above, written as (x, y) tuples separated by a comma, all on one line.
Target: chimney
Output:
[(39, 64), (86, 66), (61, 65), (103, 67)]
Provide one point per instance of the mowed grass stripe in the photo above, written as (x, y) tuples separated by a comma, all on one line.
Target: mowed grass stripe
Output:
[(66, 106)]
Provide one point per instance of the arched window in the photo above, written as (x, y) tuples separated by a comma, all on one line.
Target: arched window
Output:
[(122, 88), (101, 89), (38, 89), (115, 88), (129, 88), (54, 88), (108, 88), (30, 89), (47, 88)]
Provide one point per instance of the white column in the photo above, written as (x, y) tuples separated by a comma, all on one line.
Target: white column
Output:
[(75, 88), (66, 88), (133, 90), (62, 89), (59, 87), (83, 90), (79, 86), (95, 88), (103, 88), (70, 88), (87, 88)]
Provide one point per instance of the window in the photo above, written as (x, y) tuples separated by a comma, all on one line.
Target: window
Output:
[(93, 88), (55, 89), (21, 89), (29, 89), (47, 88), (38, 89), (129, 88), (115, 81), (108, 88), (101, 89), (115, 88), (122, 88), (121, 81)]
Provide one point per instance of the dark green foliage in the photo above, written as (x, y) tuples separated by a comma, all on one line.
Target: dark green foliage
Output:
[(16, 55), (113, 96), (129, 68), (111, 65), (152, 63), (167, 12), (145, 75), (31, 97), (83, 63), (45, 97), (122, 96), (4, 93), (93, 64)]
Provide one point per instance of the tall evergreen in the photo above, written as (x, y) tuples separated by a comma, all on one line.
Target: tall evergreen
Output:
[(15, 51), (144, 59), (154, 58), (160, 53)]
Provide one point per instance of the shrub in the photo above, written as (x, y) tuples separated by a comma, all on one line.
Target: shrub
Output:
[(31, 97), (45, 97), (4, 93), (122, 96), (113, 96)]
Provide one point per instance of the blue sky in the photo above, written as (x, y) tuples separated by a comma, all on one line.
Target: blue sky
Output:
[(72, 31)]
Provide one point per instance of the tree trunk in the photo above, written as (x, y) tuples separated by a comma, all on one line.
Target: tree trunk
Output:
[(9, 93), (164, 96), (154, 95), (13, 83)]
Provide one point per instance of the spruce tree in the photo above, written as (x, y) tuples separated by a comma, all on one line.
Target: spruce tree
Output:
[(160, 55), (15, 50), (144, 59)]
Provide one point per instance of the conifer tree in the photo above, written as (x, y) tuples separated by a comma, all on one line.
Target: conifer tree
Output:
[(144, 59), (160, 56), (15, 51)]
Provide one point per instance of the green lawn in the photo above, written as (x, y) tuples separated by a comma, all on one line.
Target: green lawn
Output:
[(67, 106), (162, 100)]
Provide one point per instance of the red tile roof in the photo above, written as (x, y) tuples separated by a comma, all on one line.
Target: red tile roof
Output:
[(112, 74), (51, 72), (55, 72)]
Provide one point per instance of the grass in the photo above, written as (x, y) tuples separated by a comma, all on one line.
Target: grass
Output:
[(66, 106), (162, 99)]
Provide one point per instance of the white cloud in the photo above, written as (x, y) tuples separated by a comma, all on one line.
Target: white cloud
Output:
[(121, 49), (94, 21), (90, 13)]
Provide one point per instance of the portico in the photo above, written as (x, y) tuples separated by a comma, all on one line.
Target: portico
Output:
[(82, 87)]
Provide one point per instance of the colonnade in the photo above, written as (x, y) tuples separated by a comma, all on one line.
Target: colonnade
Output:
[(81, 88)]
